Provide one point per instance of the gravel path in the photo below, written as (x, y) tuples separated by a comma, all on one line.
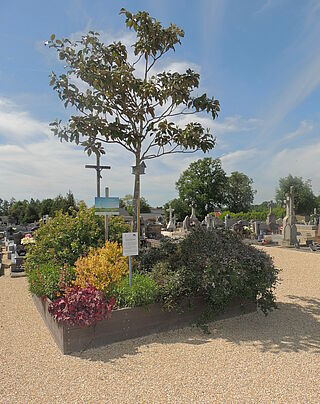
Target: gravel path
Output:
[(249, 359)]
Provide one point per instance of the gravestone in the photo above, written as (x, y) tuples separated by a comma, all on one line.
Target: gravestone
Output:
[(290, 229), (186, 223), (209, 222), (271, 220)]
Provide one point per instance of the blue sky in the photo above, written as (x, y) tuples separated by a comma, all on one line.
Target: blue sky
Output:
[(260, 58)]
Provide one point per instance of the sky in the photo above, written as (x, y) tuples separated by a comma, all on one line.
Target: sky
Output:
[(259, 58)]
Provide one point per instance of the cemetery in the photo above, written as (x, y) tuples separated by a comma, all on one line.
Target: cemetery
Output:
[(212, 296)]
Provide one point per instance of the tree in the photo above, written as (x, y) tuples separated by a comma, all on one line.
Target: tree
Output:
[(203, 184), (119, 106), (305, 200), (240, 194), (127, 203)]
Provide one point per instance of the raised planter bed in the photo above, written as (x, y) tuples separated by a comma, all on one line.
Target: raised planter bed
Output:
[(128, 323)]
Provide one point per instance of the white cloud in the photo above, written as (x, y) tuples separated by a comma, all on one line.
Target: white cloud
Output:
[(18, 125), (304, 128)]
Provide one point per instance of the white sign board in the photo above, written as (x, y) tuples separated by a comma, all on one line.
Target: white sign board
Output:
[(130, 244)]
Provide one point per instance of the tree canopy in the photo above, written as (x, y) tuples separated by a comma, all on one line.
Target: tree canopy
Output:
[(127, 203), (305, 199), (203, 184), (23, 212), (116, 104), (239, 192)]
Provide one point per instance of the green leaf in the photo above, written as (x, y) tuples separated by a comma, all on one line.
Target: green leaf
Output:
[(52, 37)]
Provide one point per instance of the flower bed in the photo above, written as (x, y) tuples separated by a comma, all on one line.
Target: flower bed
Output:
[(129, 323)]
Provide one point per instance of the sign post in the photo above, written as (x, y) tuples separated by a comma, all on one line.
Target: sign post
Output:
[(129, 248)]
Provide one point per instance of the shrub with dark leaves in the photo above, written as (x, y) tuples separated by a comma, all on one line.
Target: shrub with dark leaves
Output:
[(81, 307), (215, 265)]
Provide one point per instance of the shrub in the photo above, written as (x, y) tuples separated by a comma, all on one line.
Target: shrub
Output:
[(144, 291), (102, 268), (49, 280), (219, 266), (81, 307), (65, 238), (117, 226), (215, 265), (149, 256), (170, 284)]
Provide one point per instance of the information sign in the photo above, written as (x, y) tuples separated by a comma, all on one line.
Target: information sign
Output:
[(130, 244), (107, 206)]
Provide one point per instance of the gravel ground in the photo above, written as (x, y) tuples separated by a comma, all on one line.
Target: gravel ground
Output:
[(249, 359)]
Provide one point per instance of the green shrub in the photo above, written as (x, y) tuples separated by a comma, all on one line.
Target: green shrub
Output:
[(65, 238), (220, 267), (171, 284), (149, 256), (117, 226), (144, 291), (215, 265), (49, 280)]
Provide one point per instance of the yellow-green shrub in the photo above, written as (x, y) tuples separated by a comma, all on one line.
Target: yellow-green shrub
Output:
[(102, 268)]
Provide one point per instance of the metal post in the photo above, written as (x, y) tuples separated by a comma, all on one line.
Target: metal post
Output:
[(98, 175), (130, 272), (106, 218)]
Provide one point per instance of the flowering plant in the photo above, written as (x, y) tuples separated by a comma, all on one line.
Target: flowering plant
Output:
[(28, 239), (81, 306)]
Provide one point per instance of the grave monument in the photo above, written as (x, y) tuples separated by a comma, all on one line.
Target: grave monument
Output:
[(290, 228)]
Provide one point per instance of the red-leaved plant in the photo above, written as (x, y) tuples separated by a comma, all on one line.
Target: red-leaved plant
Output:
[(81, 306)]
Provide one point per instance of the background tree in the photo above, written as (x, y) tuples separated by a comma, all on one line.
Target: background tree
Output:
[(203, 184), (121, 106), (239, 192), (127, 203), (305, 199)]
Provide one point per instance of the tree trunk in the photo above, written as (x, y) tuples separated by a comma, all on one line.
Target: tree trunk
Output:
[(136, 198)]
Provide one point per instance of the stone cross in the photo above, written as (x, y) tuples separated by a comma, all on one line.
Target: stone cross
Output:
[(193, 212), (170, 210)]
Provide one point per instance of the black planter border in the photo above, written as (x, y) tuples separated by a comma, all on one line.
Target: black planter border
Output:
[(129, 323)]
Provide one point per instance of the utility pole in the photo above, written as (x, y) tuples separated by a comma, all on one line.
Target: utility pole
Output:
[(98, 168)]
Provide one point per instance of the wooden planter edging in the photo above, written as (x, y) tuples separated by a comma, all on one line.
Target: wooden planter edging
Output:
[(128, 323)]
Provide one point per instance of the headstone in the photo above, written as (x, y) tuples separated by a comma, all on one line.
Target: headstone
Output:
[(209, 222), (290, 229), (186, 223), (271, 220)]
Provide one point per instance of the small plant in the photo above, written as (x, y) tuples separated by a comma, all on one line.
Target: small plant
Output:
[(50, 280), (144, 291), (103, 267), (81, 307)]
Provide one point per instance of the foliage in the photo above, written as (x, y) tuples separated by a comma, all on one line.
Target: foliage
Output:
[(215, 265), (119, 106), (117, 226), (81, 307), (180, 207), (65, 238), (240, 194), (103, 267), (149, 256), (170, 284), (203, 184), (127, 203), (254, 214), (144, 291), (49, 280), (305, 200), (219, 266), (23, 212)]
